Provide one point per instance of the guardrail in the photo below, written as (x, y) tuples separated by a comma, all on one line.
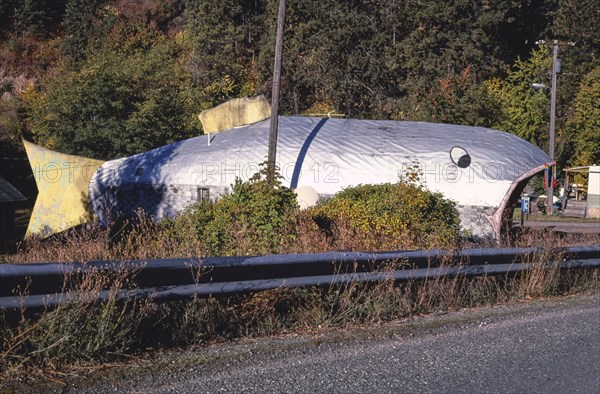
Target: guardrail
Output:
[(45, 285)]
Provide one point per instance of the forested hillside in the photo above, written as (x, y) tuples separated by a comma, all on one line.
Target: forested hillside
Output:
[(108, 78)]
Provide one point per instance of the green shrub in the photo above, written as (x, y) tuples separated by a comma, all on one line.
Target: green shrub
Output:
[(261, 218), (391, 216), (248, 221)]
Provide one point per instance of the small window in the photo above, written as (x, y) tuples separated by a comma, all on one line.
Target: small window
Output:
[(139, 171), (203, 194), (460, 157)]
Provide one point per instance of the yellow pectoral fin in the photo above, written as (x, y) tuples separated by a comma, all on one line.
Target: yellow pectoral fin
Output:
[(63, 182)]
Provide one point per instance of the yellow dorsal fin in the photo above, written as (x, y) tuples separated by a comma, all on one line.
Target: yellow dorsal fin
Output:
[(63, 182), (235, 112)]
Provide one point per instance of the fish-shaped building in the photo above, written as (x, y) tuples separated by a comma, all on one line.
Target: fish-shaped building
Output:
[(482, 170)]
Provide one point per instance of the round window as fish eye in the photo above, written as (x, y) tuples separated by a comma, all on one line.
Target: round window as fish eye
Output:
[(460, 157)]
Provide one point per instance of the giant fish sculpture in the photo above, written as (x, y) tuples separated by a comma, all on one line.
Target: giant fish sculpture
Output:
[(482, 170)]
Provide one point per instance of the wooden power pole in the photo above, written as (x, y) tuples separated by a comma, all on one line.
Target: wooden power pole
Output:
[(271, 160), (550, 186)]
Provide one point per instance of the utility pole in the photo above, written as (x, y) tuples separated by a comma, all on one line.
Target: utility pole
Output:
[(271, 164), (550, 186)]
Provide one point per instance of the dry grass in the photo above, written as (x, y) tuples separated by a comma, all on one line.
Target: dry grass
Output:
[(91, 331), (147, 240), (80, 330)]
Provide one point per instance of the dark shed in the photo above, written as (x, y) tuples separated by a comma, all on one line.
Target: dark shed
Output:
[(10, 198)]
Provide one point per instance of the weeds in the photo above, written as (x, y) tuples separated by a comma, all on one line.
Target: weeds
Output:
[(97, 326), (79, 330), (93, 331)]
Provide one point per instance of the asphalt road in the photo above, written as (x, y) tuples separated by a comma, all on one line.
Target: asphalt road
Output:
[(536, 347)]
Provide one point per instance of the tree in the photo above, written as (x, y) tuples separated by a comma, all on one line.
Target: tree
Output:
[(385, 59), (446, 38), (10, 127), (224, 35), (459, 99), (333, 57), (577, 21), (126, 99), (525, 111), (79, 25), (585, 124), (37, 17)]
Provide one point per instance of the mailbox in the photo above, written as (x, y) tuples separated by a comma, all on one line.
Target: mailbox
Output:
[(525, 204)]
